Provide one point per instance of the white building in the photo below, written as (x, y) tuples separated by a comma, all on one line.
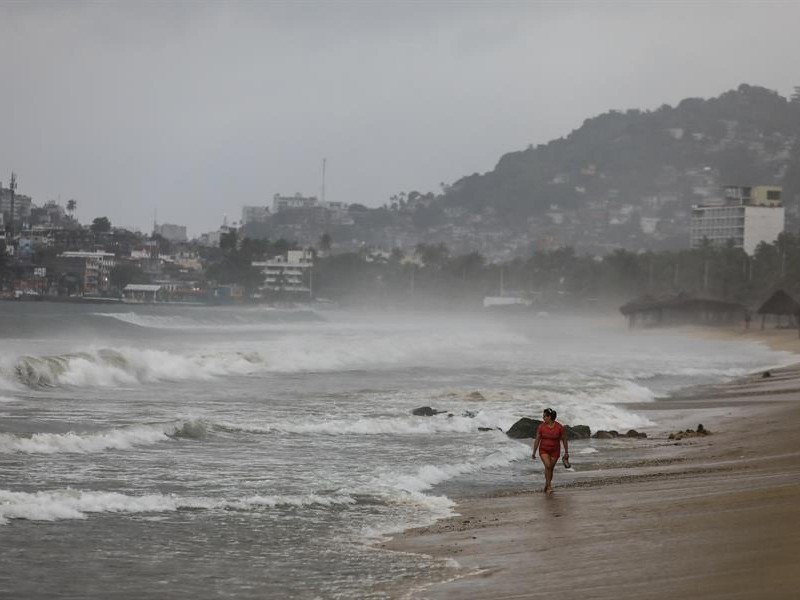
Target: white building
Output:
[(748, 216), (280, 203), (290, 273), (93, 267)]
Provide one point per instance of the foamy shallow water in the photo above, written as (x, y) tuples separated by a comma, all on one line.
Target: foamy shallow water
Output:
[(250, 452)]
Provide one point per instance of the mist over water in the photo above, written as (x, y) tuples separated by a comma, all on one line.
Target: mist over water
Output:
[(251, 452)]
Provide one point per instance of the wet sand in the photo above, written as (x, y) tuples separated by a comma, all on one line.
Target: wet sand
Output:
[(706, 517)]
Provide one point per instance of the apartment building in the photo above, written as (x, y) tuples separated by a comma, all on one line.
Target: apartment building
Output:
[(289, 274), (93, 269), (746, 215)]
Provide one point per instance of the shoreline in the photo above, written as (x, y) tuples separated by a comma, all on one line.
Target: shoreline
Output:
[(780, 340), (701, 516)]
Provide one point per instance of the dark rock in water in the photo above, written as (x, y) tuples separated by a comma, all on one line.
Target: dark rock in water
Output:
[(425, 411), (476, 396), (489, 429), (766, 374), (524, 428), (632, 433), (578, 432), (604, 435), (470, 414), (679, 435)]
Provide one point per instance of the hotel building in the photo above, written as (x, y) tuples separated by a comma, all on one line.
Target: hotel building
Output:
[(746, 215)]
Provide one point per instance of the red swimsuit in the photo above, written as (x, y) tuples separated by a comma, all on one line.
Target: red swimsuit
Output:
[(550, 439)]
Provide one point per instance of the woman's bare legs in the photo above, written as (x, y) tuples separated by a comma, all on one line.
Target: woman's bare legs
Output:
[(549, 463)]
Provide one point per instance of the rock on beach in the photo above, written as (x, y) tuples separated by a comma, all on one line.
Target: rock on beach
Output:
[(689, 433), (425, 411), (525, 428)]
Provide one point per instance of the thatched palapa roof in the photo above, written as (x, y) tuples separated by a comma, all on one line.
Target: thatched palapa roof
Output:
[(780, 303), (680, 302)]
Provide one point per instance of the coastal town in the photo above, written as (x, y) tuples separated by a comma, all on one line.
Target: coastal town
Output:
[(701, 198), (48, 254)]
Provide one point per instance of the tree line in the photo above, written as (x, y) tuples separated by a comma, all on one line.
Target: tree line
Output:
[(430, 275), (561, 278)]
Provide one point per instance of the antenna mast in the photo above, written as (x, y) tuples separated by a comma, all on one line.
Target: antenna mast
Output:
[(13, 187), (324, 164)]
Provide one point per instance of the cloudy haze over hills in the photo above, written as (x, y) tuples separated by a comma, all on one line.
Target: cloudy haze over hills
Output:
[(195, 109)]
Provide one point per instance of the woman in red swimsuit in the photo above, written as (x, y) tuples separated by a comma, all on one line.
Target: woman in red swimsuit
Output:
[(549, 437)]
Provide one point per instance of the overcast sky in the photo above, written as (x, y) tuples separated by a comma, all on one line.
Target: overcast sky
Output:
[(197, 108)]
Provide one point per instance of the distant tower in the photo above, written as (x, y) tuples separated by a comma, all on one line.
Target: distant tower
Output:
[(324, 164), (13, 187)]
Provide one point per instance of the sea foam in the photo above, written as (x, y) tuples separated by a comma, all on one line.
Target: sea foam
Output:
[(401, 425), (78, 504), (425, 477), (290, 354), (262, 318), (123, 438), (128, 366)]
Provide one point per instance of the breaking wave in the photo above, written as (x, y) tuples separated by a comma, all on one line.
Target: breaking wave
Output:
[(374, 425), (620, 391), (123, 438), (127, 366), (389, 488), (76, 504), (427, 476), (596, 412), (211, 319), (288, 354), (136, 436)]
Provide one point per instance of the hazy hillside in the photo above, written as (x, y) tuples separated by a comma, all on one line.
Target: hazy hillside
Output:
[(621, 180), (597, 184)]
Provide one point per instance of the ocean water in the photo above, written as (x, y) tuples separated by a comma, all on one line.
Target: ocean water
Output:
[(165, 452)]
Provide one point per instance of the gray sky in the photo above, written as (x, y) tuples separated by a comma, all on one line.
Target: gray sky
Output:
[(199, 108)]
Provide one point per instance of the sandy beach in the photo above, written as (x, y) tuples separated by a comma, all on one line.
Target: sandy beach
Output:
[(705, 517)]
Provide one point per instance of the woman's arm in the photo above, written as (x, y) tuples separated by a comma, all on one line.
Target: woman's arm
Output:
[(536, 443), (565, 442)]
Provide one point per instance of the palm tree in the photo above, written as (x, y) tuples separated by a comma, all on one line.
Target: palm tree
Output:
[(72, 204)]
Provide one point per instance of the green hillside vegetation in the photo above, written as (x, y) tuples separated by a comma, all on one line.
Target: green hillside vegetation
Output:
[(624, 179), (745, 136)]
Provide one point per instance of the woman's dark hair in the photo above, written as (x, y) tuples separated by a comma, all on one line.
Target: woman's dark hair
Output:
[(550, 413)]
